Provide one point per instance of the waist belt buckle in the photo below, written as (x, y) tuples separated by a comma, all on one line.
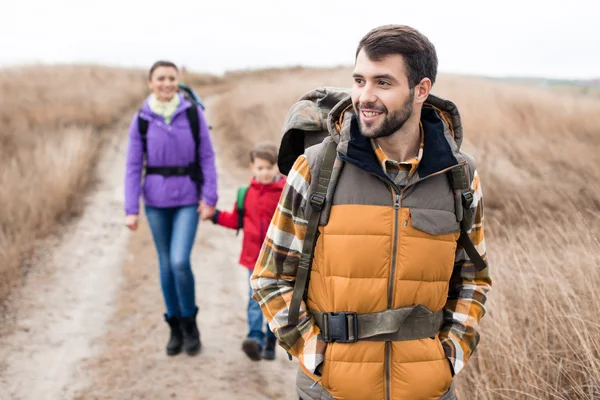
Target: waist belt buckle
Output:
[(341, 327)]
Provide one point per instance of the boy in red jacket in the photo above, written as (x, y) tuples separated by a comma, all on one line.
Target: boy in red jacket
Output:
[(259, 201)]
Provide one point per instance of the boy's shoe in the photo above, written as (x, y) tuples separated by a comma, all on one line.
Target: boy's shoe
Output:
[(176, 339), (252, 348), (269, 353)]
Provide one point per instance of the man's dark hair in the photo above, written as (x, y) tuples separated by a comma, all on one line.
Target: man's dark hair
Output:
[(161, 63), (419, 53)]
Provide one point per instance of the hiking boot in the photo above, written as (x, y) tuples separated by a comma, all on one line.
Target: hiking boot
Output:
[(252, 348), (269, 353), (191, 335), (176, 339)]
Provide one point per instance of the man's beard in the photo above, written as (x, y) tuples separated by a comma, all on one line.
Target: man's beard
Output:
[(392, 122)]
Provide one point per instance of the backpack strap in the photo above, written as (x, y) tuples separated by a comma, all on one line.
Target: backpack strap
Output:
[(461, 177), (317, 203), (143, 130), (241, 199), (196, 170)]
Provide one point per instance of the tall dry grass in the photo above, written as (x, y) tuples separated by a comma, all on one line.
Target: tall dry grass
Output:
[(537, 155), (255, 106), (52, 119)]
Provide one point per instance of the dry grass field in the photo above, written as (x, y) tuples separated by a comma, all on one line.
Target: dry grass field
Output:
[(537, 153)]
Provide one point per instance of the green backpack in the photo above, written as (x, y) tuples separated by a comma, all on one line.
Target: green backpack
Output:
[(241, 199)]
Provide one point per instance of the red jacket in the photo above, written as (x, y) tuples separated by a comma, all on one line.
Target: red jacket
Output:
[(259, 207)]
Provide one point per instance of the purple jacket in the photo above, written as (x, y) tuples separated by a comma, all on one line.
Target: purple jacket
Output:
[(168, 145)]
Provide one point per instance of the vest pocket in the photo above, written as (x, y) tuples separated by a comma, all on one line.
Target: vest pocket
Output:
[(434, 222)]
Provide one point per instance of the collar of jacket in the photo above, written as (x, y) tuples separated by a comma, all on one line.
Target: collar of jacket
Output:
[(442, 136), (148, 114), (277, 184)]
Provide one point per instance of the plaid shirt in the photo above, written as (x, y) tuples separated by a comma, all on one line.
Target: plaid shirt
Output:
[(274, 276), (399, 171)]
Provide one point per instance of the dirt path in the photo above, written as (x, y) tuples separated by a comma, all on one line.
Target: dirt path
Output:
[(89, 325), (67, 297)]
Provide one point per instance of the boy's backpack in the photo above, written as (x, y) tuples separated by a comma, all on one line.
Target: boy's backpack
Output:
[(241, 199), (305, 126), (194, 169)]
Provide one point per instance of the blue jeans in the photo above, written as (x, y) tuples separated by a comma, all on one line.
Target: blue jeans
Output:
[(174, 231), (255, 320)]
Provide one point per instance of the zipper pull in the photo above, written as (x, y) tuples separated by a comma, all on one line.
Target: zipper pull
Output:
[(397, 201)]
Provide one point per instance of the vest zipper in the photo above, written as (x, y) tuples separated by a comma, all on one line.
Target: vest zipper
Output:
[(388, 345), (397, 205), (397, 192)]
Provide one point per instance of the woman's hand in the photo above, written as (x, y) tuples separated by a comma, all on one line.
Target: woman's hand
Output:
[(131, 222), (206, 212)]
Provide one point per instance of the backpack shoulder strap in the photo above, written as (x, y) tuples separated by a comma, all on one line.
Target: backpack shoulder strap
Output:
[(317, 203), (194, 120), (241, 199), (460, 179), (143, 130)]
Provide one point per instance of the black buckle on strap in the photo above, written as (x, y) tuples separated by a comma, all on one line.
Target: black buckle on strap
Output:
[(340, 327), (317, 202), (467, 198)]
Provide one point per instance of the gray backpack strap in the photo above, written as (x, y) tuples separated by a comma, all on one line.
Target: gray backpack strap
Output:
[(461, 178), (467, 244), (317, 203)]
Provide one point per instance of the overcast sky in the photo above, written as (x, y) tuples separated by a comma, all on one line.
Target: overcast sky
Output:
[(535, 38)]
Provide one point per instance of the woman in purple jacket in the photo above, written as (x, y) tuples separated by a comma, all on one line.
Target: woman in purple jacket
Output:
[(180, 183)]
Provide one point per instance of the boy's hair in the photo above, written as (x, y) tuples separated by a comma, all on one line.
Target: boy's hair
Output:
[(266, 151)]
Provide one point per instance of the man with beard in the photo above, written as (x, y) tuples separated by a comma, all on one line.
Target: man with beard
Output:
[(374, 269)]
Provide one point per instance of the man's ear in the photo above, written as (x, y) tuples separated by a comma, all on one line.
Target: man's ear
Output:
[(422, 90)]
